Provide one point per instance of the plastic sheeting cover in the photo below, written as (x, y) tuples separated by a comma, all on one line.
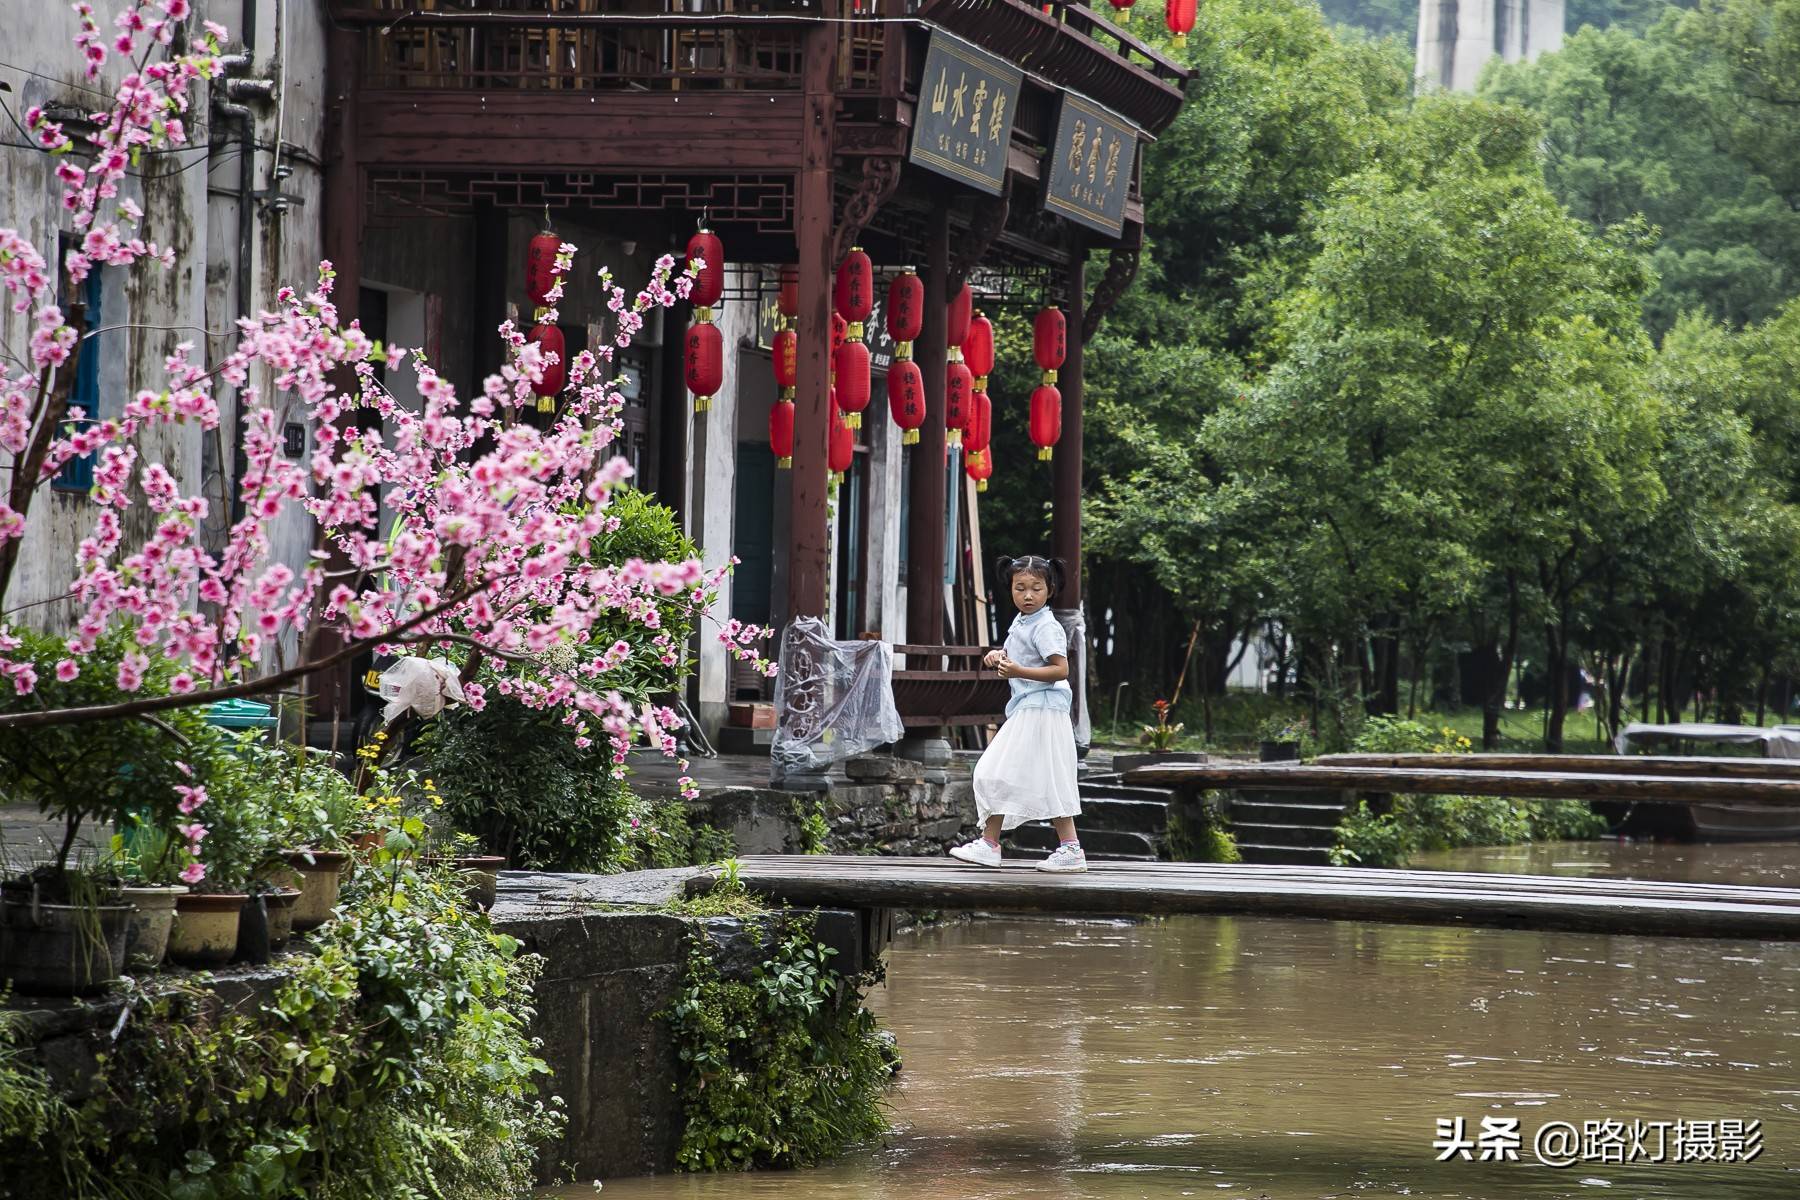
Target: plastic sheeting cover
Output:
[(833, 700), (1780, 742)]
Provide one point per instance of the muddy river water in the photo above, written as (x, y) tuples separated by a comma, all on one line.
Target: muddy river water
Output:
[(1305, 1060)]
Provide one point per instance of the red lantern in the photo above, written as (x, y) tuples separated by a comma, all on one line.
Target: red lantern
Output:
[(781, 433), (703, 361), (981, 423), (980, 468), (1046, 419), (1179, 16), (1050, 341), (854, 293), (956, 324), (540, 266), (785, 354), (1122, 9), (978, 350), (549, 339), (787, 299), (959, 386), (906, 398), (842, 448), (905, 312), (851, 362), (709, 281)]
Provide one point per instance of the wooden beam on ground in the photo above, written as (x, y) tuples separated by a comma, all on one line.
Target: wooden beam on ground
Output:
[(1544, 785), (1716, 766), (1524, 902)]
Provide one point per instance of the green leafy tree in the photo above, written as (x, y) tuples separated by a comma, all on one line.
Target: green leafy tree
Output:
[(1639, 126)]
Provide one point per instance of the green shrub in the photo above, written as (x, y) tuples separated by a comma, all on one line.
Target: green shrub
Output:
[(1368, 839), (392, 1062), (515, 778), (783, 1070), (1197, 833), (1563, 820), (98, 771)]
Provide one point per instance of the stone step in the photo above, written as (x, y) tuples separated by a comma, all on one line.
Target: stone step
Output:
[(1264, 833), (1135, 816), (1305, 856), (1258, 812), (1100, 844), (1119, 791)]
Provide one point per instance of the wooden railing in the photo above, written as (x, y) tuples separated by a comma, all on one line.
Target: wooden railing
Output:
[(598, 45)]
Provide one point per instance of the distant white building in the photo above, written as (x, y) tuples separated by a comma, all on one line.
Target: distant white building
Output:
[(1458, 37)]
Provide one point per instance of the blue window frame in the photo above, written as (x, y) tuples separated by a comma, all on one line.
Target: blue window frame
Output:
[(77, 475)]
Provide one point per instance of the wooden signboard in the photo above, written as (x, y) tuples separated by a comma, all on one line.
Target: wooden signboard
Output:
[(964, 122), (1090, 166)]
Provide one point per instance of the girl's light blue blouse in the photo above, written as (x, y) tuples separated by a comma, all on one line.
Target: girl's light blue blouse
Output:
[(1030, 642)]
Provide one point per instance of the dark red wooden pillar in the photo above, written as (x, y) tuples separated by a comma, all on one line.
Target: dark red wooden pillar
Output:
[(1065, 510), (341, 231), (925, 469), (809, 537)]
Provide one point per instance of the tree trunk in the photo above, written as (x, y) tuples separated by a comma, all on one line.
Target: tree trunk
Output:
[(1495, 701), (1615, 699), (1556, 640)]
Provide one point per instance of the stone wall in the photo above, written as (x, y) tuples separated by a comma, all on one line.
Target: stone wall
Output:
[(885, 807), (610, 970), (614, 962)]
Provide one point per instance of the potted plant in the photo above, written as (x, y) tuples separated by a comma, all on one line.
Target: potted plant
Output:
[(1283, 739), (286, 809), (150, 861), (231, 842), (64, 922), (1159, 741), (461, 852), (319, 813)]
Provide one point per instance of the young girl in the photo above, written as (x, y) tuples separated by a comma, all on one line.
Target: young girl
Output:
[(1028, 772)]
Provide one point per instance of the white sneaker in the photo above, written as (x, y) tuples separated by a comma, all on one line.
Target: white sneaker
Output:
[(978, 853), (1065, 860)]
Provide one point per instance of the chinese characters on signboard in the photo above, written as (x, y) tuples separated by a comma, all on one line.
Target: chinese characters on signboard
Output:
[(965, 115), (1090, 166)]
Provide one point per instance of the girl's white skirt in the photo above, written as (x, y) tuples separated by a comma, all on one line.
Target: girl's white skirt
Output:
[(1027, 773)]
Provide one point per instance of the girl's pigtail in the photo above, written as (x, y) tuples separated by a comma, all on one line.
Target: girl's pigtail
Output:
[(1059, 574), (1003, 571)]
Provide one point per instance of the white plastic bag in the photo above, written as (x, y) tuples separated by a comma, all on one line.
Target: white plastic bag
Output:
[(423, 685)]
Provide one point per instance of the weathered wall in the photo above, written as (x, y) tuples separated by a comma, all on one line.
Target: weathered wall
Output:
[(610, 971), (194, 199), (886, 808), (608, 976)]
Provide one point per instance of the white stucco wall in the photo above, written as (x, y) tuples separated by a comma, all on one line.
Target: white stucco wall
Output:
[(712, 484), (1457, 38)]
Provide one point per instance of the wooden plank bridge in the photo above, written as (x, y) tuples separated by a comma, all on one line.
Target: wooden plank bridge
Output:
[(1590, 783), (1535, 902)]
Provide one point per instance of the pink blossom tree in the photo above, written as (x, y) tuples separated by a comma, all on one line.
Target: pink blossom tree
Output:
[(485, 558)]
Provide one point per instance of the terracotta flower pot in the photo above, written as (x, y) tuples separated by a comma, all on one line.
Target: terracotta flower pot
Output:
[(60, 949), (147, 932), (318, 874), (206, 928)]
